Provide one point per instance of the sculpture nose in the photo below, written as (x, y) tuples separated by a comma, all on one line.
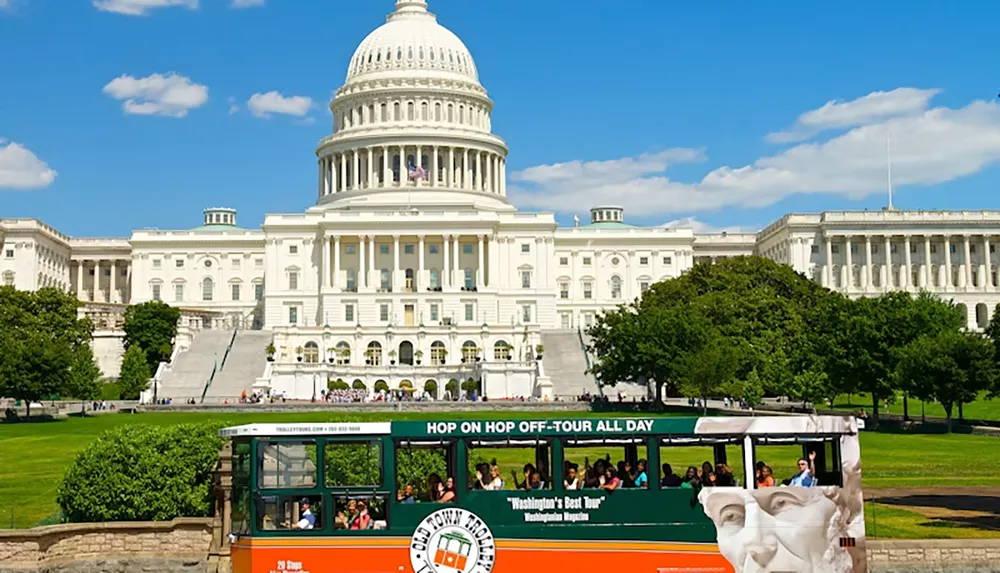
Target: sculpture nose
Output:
[(762, 553)]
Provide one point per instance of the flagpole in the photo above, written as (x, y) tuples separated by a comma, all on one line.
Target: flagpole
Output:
[(888, 166)]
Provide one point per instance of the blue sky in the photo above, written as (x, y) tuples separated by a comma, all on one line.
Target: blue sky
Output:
[(705, 110)]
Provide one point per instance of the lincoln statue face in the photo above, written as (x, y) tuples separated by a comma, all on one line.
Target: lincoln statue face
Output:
[(779, 529)]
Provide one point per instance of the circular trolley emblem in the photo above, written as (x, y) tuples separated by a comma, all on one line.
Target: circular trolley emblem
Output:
[(452, 540)]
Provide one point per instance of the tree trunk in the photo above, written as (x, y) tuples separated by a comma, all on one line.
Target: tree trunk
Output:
[(704, 406), (848, 398), (922, 417), (27, 409), (961, 411), (874, 410), (947, 416), (906, 409)]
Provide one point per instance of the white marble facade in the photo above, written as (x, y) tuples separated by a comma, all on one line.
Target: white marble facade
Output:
[(412, 245)]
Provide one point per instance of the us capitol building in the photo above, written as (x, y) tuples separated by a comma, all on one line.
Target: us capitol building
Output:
[(413, 267)]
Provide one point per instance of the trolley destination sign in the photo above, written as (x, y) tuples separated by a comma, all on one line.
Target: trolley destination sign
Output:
[(564, 427)]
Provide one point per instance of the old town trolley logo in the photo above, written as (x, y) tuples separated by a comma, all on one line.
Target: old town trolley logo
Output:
[(452, 541)]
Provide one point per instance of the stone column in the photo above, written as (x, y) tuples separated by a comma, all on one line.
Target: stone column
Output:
[(127, 295), (435, 168), (887, 274), (928, 276), (114, 279), (947, 263), (79, 280), (322, 178), (465, 169), (481, 272), (450, 175), (396, 282), (97, 281), (371, 168), (446, 271), (454, 261), (343, 170), (489, 172), (989, 264), (849, 263), (335, 276), (362, 277), (907, 264), (419, 279), (386, 175), (331, 166), (967, 260), (503, 176), (828, 269), (868, 263), (325, 267), (356, 176), (418, 160), (373, 277), (478, 180)]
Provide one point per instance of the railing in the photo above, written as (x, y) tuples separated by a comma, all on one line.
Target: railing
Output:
[(586, 357), (228, 348), (208, 384)]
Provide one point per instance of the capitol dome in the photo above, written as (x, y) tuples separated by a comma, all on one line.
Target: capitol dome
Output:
[(411, 42)]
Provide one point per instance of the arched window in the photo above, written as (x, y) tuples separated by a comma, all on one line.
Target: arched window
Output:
[(373, 355), (395, 168), (386, 279), (207, 289), (406, 352), (311, 354), (616, 287), (342, 354), (371, 113), (461, 114), (421, 53), (438, 353), (437, 111), (469, 351), (435, 279), (451, 113), (8, 278), (358, 384), (423, 111), (409, 111), (397, 112), (501, 351), (383, 112)]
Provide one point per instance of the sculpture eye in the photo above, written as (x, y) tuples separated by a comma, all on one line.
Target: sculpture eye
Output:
[(732, 515), (780, 502)]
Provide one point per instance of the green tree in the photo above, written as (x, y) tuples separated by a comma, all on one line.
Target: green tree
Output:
[(706, 371), (135, 373), (949, 367), (992, 331), (153, 326), (752, 390), (84, 381), (140, 472)]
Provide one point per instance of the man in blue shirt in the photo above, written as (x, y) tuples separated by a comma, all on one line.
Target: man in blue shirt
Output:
[(307, 520), (807, 469)]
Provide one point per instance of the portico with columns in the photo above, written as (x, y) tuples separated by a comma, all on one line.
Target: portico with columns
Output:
[(102, 280)]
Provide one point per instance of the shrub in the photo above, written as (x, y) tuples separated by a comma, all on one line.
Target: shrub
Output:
[(143, 473)]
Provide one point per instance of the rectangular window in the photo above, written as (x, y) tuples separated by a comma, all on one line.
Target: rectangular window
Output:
[(952, 249), (470, 312), (434, 313), (467, 249), (293, 249), (433, 249), (236, 263), (643, 286), (91, 272), (293, 281), (913, 249), (564, 290), (525, 279), (258, 263), (285, 512), (293, 315), (586, 261), (854, 249), (408, 249), (893, 249), (835, 249), (588, 290), (156, 263), (179, 263), (353, 464), (383, 249), (348, 313), (972, 249), (933, 249), (350, 249), (258, 292), (643, 261), (668, 261), (526, 313), (814, 249), (156, 292), (525, 247), (563, 261), (469, 280), (10, 253), (874, 249), (236, 291), (179, 292), (286, 465), (383, 312)]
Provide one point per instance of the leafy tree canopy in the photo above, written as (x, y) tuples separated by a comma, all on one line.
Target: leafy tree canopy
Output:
[(152, 325)]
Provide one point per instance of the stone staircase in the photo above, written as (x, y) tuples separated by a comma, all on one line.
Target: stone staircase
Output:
[(245, 363), (566, 364), (186, 376)]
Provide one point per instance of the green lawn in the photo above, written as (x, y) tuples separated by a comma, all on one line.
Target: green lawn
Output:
[(37, 454), (888, 522), (982, 409)]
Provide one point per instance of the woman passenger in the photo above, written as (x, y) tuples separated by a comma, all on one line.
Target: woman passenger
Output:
[(706, 468), (572, 481), (494, 483), (363, 520), (724, 476), (611, 480), (766, 479), (434, 488), (691, 480), (447, 491)]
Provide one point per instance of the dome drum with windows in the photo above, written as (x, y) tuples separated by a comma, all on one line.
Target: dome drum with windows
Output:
[(411, 125)]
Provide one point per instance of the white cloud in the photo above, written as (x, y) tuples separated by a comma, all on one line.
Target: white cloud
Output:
[(168, 95), (264, 104), (22, 169), (246, 3), (141, 7), (700, 227), (875, 106), (937, 145), (4, 4)]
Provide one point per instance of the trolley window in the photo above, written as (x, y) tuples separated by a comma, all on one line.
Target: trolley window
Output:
[(286, 464)]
